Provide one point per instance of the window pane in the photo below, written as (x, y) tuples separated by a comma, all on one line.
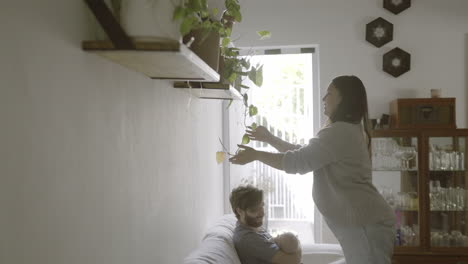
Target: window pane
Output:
[(285, 103)]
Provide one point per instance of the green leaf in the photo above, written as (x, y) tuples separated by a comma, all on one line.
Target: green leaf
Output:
[(259, 82), (264, 34), (244, 86), (178, 13), (232, 77), (230, 103), (245, 63), (233, 9), (220, 156), (237, 85), (253, 110), (206, 24), (228, 32), (204, 14), (187, 25), (254, 125), (237, 16), (226, 42), (256, 76), (196, 5), (245, 139)]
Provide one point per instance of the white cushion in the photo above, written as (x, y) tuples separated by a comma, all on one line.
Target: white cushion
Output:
[(322, 253), (223, 228), (217, 247), (333, 249)]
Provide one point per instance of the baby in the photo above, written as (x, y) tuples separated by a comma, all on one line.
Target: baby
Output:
[(287, 242)]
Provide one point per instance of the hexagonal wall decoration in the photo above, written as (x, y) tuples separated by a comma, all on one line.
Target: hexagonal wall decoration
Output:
[(396, 62), (379, 32), (396, 6)]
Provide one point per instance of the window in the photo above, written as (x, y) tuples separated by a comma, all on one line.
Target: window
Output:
[(288, 106)]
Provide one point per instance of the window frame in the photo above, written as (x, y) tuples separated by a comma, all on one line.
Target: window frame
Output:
[(316, 112)]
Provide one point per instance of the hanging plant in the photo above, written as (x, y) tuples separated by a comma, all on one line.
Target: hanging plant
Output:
[(236, 68), (197, 15)]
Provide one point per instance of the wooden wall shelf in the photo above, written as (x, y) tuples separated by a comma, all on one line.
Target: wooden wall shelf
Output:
[(157, 60), (207, 90)]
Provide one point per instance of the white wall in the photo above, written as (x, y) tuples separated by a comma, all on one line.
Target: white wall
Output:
[(434, 32), (98, 164)]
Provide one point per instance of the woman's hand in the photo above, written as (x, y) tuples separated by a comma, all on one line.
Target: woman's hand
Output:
[(260, 133), (244, 155)]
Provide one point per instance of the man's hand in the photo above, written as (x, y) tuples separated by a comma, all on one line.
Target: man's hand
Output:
[(244, 155)]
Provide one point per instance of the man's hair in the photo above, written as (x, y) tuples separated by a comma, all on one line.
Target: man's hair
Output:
[(245, 197)]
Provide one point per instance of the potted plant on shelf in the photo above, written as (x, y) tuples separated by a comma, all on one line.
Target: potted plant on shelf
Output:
[(202, 26), (146, 19), (197, 20)]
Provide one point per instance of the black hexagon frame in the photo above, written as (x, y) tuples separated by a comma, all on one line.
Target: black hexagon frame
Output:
[(396, 62), (379, 32), (396, 6)]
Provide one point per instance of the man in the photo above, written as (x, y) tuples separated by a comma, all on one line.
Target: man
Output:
[(250, 239)]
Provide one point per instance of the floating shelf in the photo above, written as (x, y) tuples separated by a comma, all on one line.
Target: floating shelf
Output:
[(157, 60), (209, 90)]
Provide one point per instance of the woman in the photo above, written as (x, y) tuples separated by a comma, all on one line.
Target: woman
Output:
[(339, 156)]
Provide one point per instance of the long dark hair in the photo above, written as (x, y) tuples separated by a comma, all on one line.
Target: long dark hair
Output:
[(353, 106)]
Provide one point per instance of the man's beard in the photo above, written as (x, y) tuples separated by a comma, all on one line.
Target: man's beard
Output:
[(253, 221)]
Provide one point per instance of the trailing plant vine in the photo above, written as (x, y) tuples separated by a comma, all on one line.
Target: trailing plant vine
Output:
[(197, 15)]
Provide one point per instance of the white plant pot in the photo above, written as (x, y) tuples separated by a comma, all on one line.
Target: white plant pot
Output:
[(150, 19)]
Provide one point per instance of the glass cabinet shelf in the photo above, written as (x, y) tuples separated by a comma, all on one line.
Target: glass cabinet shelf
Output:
[(449, 211), (447, 170), (448, 191), (396, 175), (422, 175), (378, 169)]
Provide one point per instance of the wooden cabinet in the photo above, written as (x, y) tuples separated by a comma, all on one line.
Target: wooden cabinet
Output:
[(422, 175), (408, 113), (429, 259)]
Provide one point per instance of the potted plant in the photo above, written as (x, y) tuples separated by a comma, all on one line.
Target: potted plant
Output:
[(198, 20), (203, 26), (148, 19)]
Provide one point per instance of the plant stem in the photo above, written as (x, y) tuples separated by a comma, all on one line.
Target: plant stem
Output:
[(224, 148)]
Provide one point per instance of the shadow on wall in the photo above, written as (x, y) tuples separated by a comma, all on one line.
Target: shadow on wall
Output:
[(407, 93)]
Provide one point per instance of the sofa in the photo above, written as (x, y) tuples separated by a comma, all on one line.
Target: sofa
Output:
[(217, 247)]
